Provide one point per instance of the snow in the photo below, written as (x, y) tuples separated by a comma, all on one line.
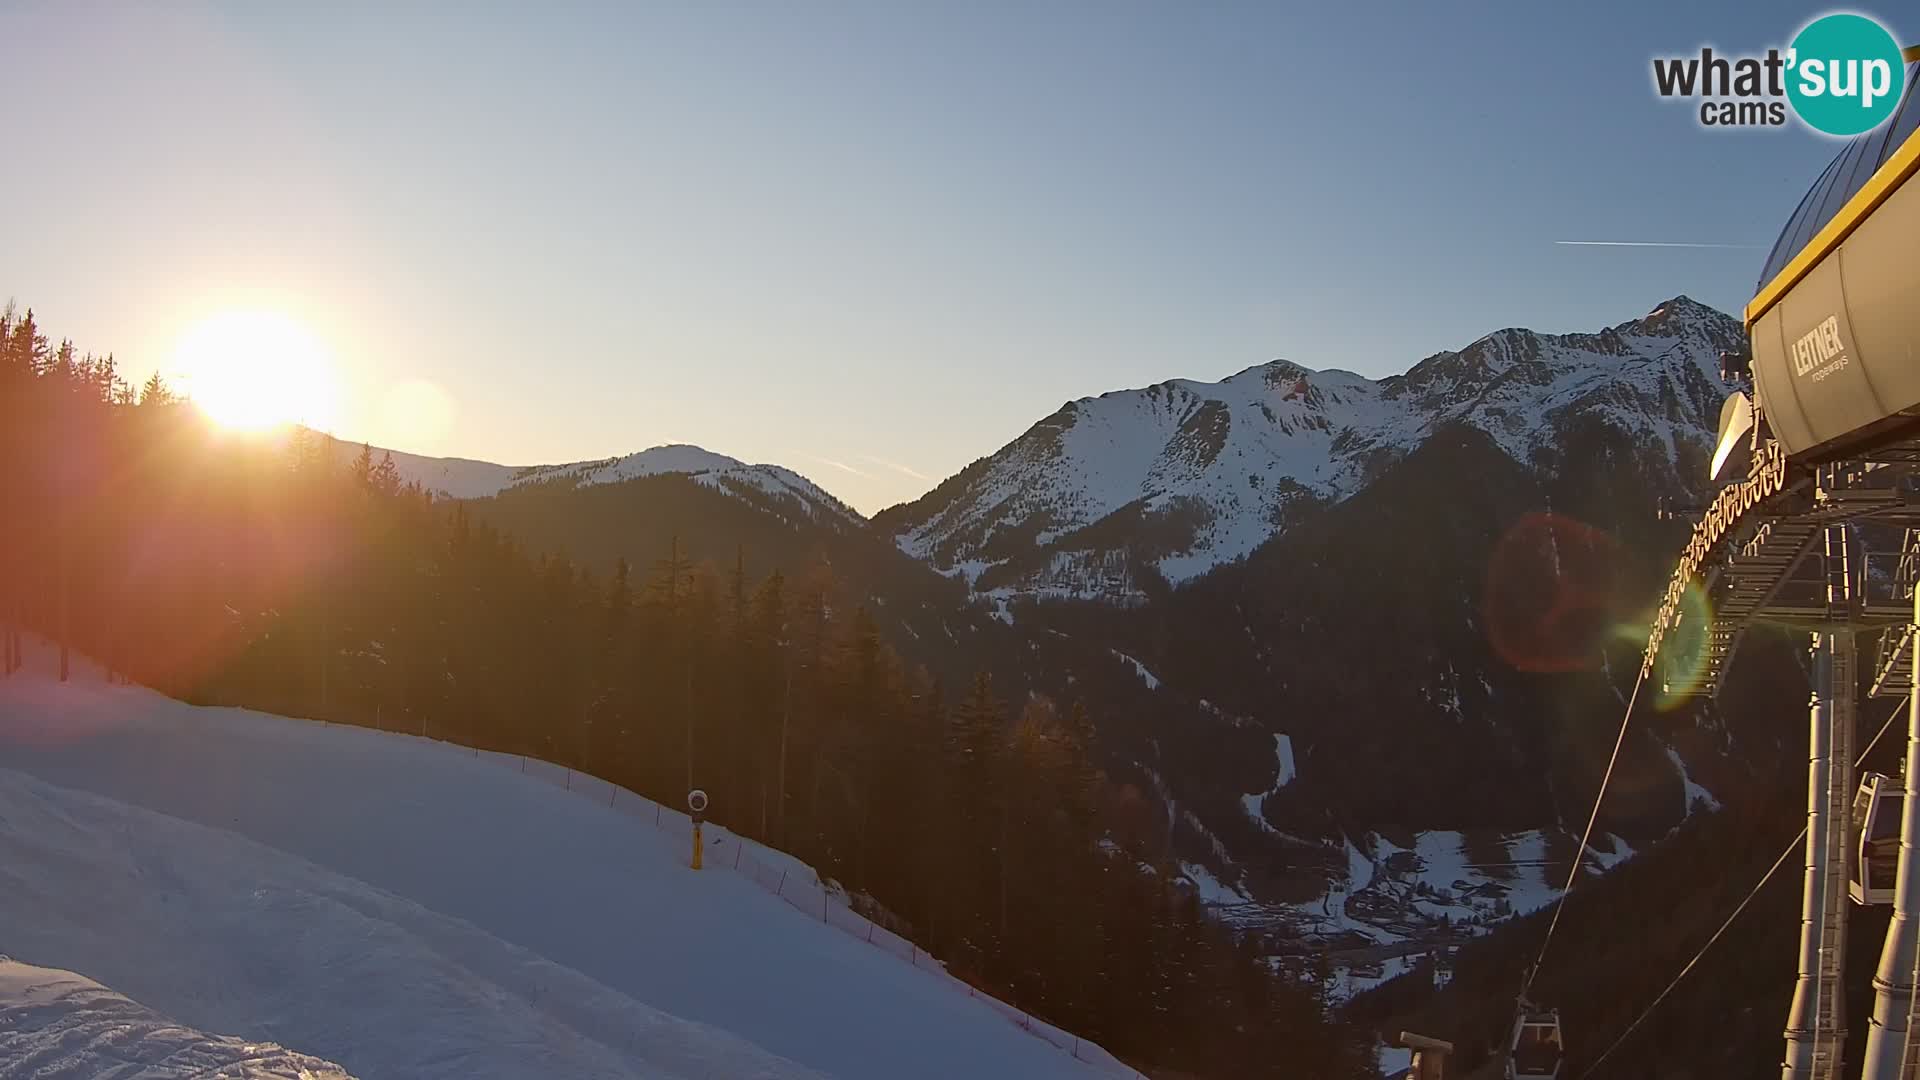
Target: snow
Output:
[(1697, 796), (1523, 879), (1212, 892), (1283, 757), (1395, 1061), (1353, 985), (1359, 869), (1329, 916), (1254, 807), (1607, 860), (228, 934), (678, 458), (1345, 923), (1231, 456), (1531, 890), (1392, 893), (1139, 669), (460, 478), (1443, 858), (1284, 774), (1232, 718), (56, 1025), (457, 478), (970, 569), (1001, 611), (407, 908)]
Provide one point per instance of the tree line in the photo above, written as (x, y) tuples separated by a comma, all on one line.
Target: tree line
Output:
[(294, 575)]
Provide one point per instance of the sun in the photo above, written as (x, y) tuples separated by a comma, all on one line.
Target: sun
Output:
[(253, 370)]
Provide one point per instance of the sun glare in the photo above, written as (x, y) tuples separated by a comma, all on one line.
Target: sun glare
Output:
[(252, 370)]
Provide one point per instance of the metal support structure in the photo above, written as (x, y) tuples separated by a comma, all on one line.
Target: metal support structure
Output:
[(1840, 791), (1835, 457), (1844, 692), (1802, 1026), (1891, 1047), (1816, 1026)]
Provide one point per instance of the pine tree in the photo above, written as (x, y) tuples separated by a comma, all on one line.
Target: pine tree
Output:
[(386, 475), (974, 769), (772, 663), (154, 391), (28, 347), (671, 582), (983, 840), (362, 468)]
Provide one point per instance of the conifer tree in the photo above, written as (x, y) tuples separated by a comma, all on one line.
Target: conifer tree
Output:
[(362, 468), (154, 391), (998, 847)]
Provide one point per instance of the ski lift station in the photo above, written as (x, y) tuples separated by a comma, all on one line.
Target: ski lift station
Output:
[(1813, 523)]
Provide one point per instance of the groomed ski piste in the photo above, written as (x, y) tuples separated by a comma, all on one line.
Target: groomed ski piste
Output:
[(405, 908), (56, 1025)]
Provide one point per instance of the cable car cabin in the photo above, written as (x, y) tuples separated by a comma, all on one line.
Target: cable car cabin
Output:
[(1536, 1051), (1836, 318), (1876, 839)]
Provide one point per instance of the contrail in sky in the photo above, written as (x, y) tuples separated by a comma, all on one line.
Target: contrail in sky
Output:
[(906, 470), (841, 465), (1653, 243)]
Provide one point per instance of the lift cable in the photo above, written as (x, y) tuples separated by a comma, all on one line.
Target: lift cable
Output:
[(1755, 891), (1580, 854)]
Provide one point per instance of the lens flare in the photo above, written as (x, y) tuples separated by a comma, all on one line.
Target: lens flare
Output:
[(1552, 594), (416, 414), (1681, 669)]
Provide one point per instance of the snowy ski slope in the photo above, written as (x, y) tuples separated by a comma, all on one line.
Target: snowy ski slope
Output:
[(56, 1025), (407, 908)]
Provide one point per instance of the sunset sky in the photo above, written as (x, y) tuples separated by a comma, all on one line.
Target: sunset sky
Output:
[(868, 241)]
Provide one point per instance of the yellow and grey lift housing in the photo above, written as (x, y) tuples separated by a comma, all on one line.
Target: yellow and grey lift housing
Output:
[(1834, 330), (1831, 484), (1835, 325)]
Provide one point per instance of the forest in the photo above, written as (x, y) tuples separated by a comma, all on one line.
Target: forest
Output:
[(272, 574), (1643, 985)]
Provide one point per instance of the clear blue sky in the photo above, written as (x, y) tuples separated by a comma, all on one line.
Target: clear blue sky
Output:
[(868, 241)]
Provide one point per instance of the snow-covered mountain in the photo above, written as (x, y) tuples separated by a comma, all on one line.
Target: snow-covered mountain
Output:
[(461, 478), (1177, 478)]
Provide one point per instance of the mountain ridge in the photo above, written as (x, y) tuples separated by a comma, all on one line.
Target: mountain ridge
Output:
[(469, 478), (1118, 495)]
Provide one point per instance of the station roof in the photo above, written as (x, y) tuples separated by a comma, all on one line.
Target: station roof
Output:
[(1845, 178)]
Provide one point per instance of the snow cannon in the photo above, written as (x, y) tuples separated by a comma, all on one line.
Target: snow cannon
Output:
[(697, 808), (1835, 323)]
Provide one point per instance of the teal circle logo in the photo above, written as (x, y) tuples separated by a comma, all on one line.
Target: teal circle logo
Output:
[(1844, 74)]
